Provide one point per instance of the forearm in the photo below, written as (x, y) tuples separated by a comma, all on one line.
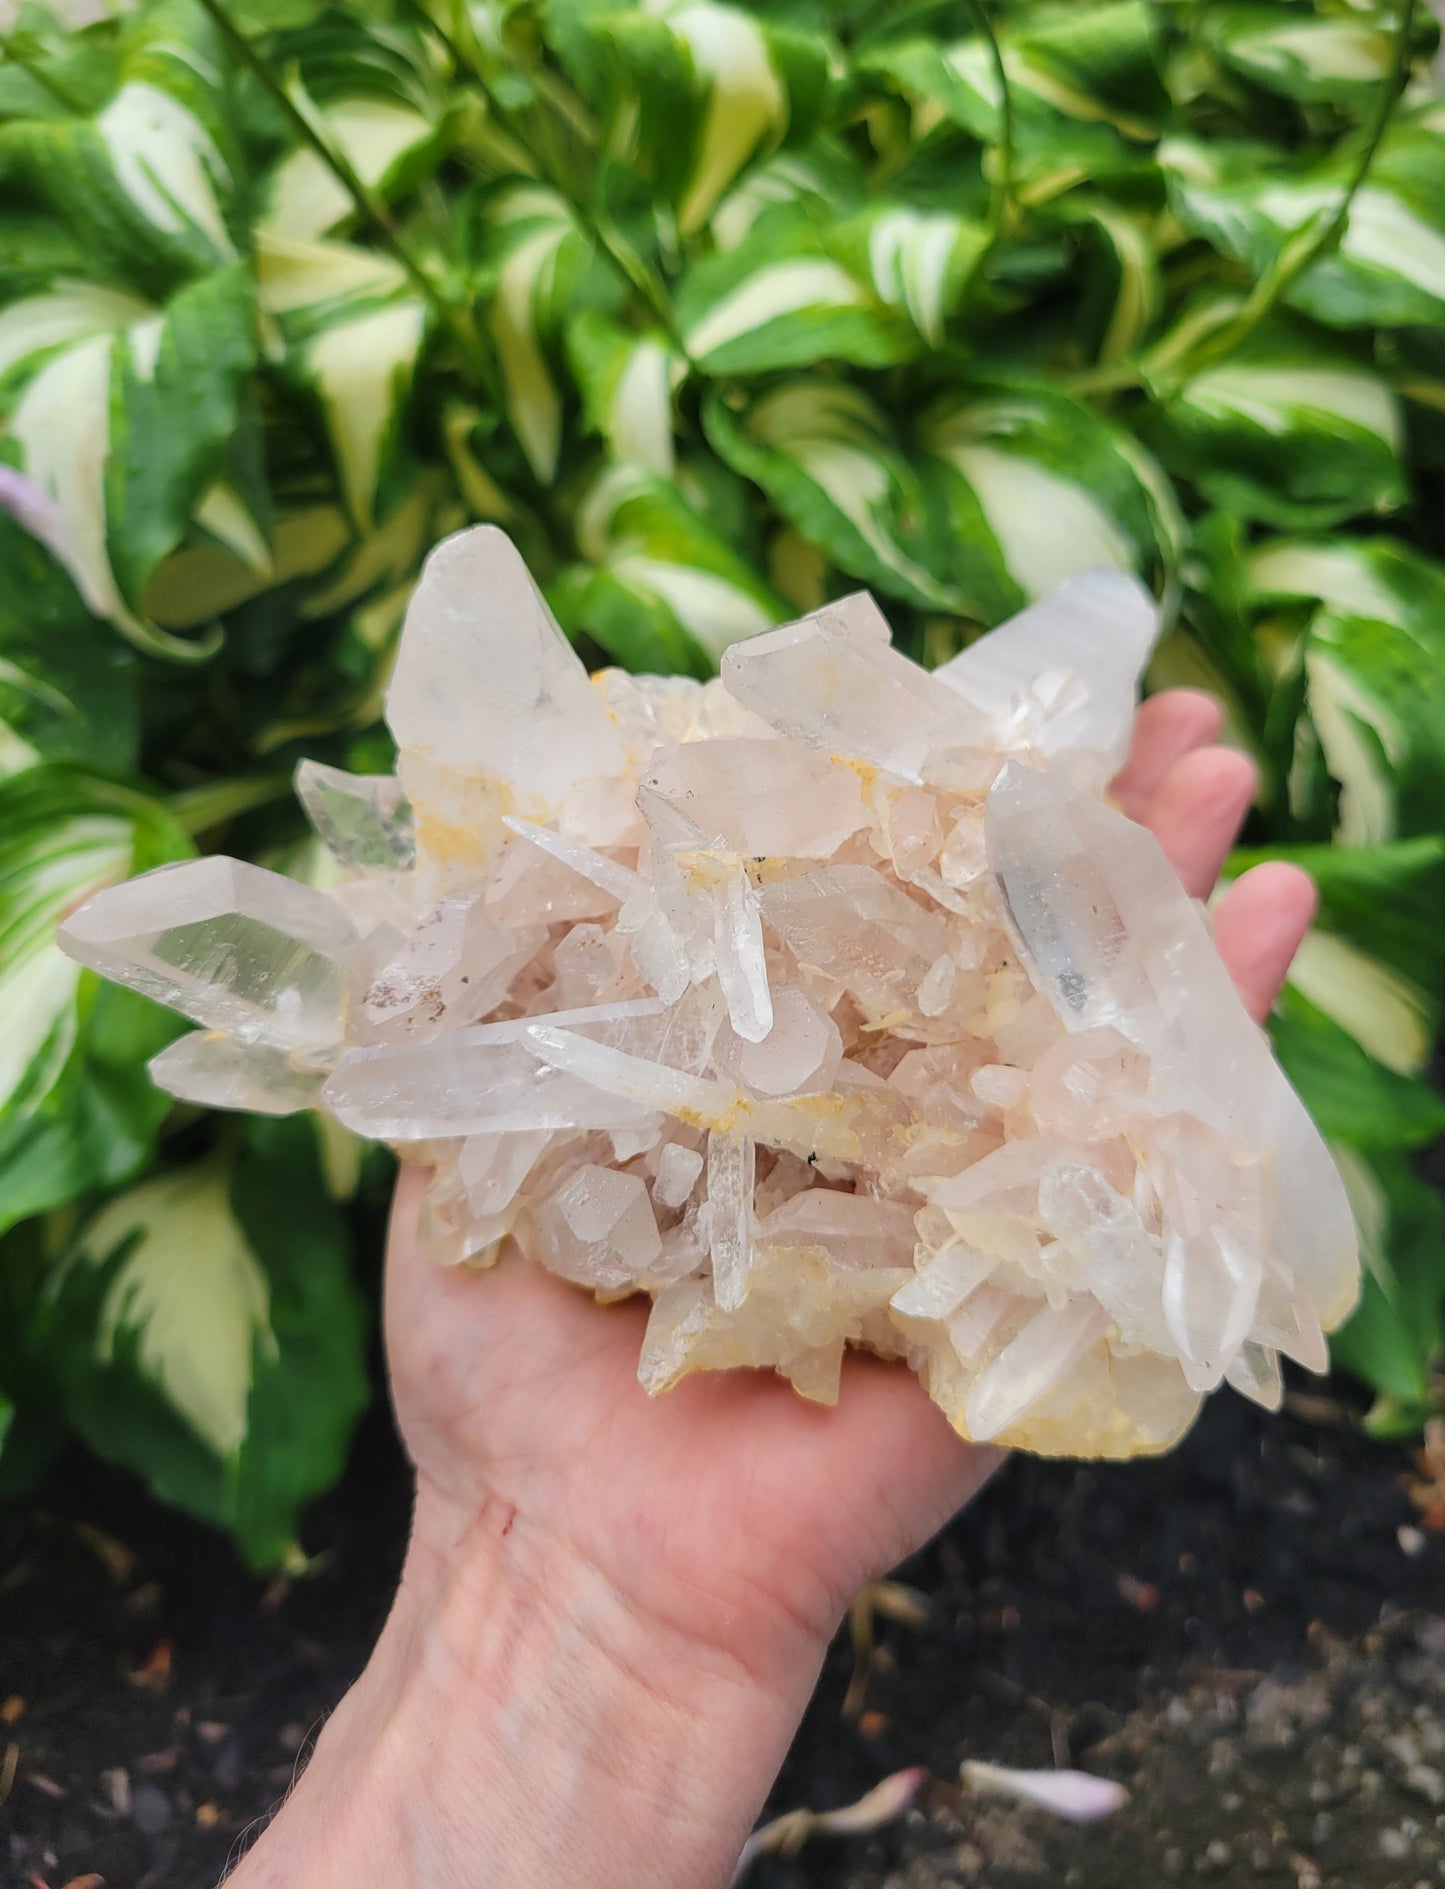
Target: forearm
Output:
[(518, 1724)]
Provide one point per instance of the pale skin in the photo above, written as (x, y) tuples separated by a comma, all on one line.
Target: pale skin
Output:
[(614, 1609)]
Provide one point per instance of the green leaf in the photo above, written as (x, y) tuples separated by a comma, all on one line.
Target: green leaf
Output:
[(1395, 1335), (781, 298), (65, 1123), (1389, 264), (534, 255), (626, 380), (1355, 1100), (1292, 431), (1038, 488), (665, 590), (832, 463), (121, 419), (1316, 59), (207, 1336)]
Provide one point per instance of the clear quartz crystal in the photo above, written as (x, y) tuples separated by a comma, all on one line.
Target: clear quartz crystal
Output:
[(219, 1071), (491, 708), (1064, 675), (828, 1004), (598, 1230), (730, 1181), (231, 946), (363, 820)]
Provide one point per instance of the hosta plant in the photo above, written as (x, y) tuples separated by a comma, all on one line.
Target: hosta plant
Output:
[(719, 310)]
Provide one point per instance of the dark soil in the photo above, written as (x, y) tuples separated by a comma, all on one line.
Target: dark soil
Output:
[(1249, 1634)]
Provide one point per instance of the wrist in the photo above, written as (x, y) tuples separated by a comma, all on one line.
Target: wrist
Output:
[(521, 1722)]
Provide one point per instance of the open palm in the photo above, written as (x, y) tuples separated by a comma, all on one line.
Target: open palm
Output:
[(731, 1513)]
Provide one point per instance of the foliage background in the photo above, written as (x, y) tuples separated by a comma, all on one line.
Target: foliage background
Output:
[(719, 310)]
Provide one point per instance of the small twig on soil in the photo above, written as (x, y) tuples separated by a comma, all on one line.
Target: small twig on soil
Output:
[(895, 1602), (788, 1833)]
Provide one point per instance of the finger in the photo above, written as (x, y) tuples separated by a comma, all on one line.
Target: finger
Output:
[(910, 1471), (1197, 810), (1259, 925), (1167, 727)]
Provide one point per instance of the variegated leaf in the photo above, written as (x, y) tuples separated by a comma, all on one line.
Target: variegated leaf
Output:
[(783, 298), (1388, 265), (1037, 489), (694, 90), (62, 837), (1374, 660), (627, 380), (1290, 430), (663, 587), (536, 251), (832, 463), (1320, 59), (97, 382), (206, 1333)]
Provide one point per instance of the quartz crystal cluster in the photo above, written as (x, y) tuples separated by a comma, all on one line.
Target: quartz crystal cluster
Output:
[(829, 1003)]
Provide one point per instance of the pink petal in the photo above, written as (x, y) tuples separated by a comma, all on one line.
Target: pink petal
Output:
[(1072, 1794)]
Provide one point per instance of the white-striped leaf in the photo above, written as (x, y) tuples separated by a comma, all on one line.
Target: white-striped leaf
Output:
[(62, 837), (663, 589), (823, 179), (1320, 59), (381, 139), (1388, 266), (353, 336), (784, 298), (1136, 291), (627, 380), (146, 181), (833, 465), (694, 91), (361, 370), (1374, 662), (206, 1334), (1083, 83), (121, 420), (1290, 431), (1372, 697), (1037, 489), (536, 252), (1363, 577), (918, 261)]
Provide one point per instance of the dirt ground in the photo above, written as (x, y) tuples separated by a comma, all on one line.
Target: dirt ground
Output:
[(1250, 1635)]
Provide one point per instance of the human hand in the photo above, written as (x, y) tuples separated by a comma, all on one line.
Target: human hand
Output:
[(615, 1607)]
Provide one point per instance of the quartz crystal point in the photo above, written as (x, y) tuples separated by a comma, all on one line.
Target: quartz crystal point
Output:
[(1063, 676), (827, 1005), (491, 708)]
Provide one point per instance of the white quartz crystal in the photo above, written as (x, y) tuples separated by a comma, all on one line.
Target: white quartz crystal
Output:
[(829, 1004)]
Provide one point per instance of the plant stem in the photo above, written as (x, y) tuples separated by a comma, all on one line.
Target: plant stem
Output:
[(1001, 204), (369, 203), (609, 240), (1305, 247), (42, 79)]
